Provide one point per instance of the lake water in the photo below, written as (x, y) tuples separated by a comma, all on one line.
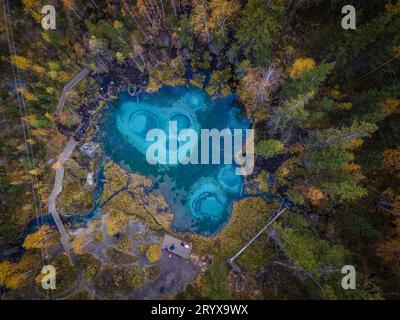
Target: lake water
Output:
[(200, 196)]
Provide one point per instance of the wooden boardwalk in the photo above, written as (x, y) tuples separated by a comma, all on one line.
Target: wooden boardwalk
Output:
[(59, 165), (69, 86), (57, 188)]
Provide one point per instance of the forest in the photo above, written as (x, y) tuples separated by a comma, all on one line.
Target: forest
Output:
[(324, 103)]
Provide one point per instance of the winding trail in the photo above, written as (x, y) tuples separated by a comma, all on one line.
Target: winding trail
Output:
[(69, 86), (57, 188), (59, 165)]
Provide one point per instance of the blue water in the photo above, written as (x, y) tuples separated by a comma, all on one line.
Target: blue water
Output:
[(200, 195)]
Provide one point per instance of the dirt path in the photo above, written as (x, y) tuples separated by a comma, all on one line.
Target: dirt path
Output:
[(175, 274)]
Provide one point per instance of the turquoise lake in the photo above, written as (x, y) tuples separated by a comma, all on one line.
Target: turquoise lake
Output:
[(200, 195)]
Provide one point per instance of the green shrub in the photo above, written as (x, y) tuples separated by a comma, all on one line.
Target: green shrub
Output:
[(153, 252), (89, 265), (269, 148), (119, 257)]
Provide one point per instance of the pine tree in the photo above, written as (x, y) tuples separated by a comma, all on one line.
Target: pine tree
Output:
[(259, 28), (308, 80), (340, 138), (292, 113), (269, 148)]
